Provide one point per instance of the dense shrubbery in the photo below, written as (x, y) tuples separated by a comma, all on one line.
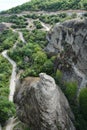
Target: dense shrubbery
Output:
[(50, 19), (7, 39), (5, 73), (36, 36), (50, 5), (6, 108), (38, 24), (71, 91), (18, 22), (32, 59)]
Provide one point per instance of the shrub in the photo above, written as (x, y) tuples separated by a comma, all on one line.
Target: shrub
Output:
[(48, 67), (58, 76), (71, 91), (7, 109), (83, 102)]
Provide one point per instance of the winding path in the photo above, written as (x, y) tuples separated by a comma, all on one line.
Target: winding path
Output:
[(21, 37), (13, 75), (45, 26), (11, 122)]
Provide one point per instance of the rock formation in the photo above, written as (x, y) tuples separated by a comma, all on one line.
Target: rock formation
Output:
[(42, 105), (69, 42), (2, 27)]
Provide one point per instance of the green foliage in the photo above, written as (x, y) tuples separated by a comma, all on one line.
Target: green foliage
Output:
[(7, 109), (71, 91), (58, 75), (48, 67), (7, 39), (38, 24), (17, 22), (5, 73), (49, 5), (39, 57), (36, 36), (83, 102), (74, 15)]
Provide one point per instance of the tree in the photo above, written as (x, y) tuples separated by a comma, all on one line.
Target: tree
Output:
[(39, 57)]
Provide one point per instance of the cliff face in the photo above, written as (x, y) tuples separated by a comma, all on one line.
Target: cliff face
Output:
[(42, 105), (69, 42)]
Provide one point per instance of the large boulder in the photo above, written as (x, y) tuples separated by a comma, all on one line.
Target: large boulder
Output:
[(42, 105), (68, 41)]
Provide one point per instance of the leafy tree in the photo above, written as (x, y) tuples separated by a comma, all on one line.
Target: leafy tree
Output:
[(39, 57)]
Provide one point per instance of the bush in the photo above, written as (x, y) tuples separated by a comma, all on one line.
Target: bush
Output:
[(58, 75), (48, 67), (7, 109), (38, 24), (71, 91), (83, 102)]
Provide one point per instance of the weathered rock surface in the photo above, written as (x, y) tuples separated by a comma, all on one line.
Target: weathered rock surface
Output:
[(42, 105), (69, 41), (2, 27)]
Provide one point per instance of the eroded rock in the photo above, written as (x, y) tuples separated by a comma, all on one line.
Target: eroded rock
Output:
[(42, 105), (69, 39)]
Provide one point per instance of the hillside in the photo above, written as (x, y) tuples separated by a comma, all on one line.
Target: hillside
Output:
[(46, 38), (50, 5)]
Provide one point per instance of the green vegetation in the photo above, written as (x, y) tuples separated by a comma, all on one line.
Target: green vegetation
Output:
[(38, 24), (7, 108), (7, 39), (71, 91), (36, 36), (5, 73), (83, 102), (31, 57), (21, 126), (50, 5), (17, 22)]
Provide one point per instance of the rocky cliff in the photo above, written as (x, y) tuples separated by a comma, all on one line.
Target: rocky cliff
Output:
[(42, 105), (69, 42)]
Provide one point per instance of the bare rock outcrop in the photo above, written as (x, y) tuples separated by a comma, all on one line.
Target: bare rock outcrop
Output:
[(42, 105), (2, 27), (68, 41)]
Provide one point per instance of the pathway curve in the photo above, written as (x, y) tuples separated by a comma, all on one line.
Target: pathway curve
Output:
[(11, 122), (13, 75), (21, 37), (45, 26)]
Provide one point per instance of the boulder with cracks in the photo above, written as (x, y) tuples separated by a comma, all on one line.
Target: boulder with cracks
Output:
[(42, 105)]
